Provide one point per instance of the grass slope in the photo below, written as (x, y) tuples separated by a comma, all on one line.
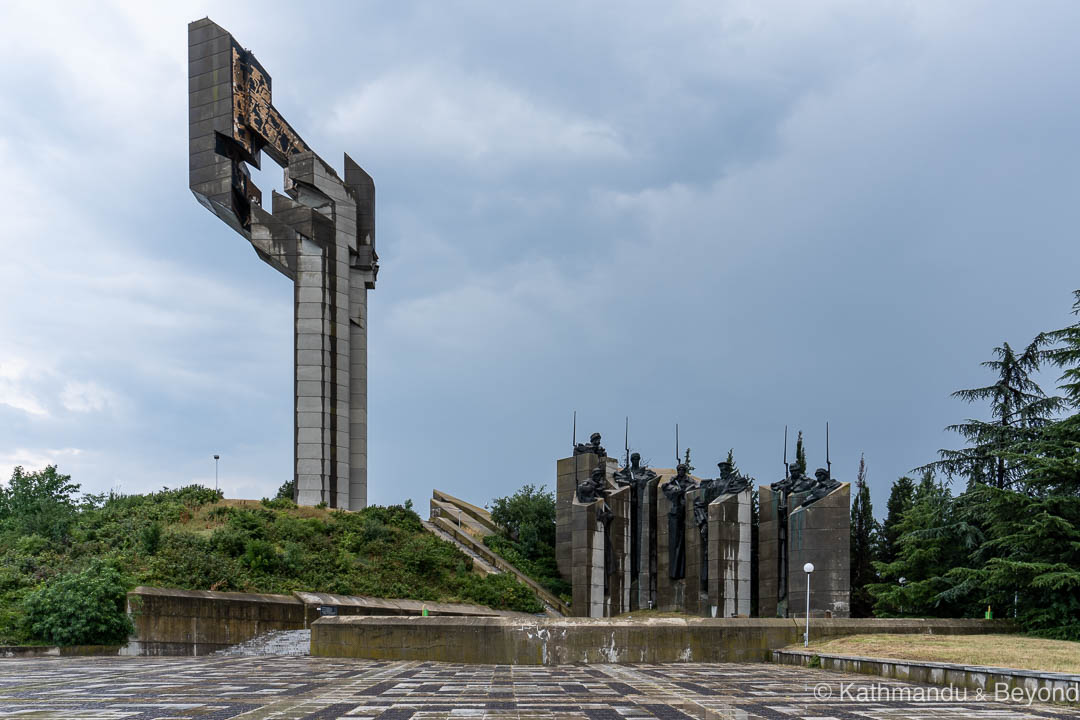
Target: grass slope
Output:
[(191, 539), (1011, 651)]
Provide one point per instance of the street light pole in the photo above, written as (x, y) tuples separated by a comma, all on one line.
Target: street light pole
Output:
[(807, 568), (216, 458)]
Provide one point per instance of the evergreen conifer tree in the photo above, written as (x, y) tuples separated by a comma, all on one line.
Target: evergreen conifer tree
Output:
[(800, 456), (901, 497), (1067, 355), (1017, 405), (934, 539), (864, 535)]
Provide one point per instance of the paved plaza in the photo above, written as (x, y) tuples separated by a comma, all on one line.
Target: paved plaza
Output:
[(318, 689)]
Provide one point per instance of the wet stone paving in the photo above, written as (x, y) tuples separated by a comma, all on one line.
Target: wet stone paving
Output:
[(295, 688)]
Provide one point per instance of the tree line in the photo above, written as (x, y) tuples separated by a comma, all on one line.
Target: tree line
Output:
[(1008, 543)]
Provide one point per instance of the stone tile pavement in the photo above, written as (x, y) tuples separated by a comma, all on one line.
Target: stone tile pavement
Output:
[(295, 688)]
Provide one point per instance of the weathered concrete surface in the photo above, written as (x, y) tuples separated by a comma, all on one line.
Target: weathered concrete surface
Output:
[(320, 234), (588, 566), (1042, 686), (821, 534), (34, 651), (729, 555), (769, 553), (551, 641), (569, 472), (643, 593), (199, 622)]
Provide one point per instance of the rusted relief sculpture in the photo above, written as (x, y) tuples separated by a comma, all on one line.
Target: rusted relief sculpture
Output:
[(320, 234), (675, 491)]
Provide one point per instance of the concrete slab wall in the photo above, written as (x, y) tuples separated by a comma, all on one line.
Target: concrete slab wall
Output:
[(199, 622), (729, 555), (554, 641), (768, 551), (566, 482), (820, 534)]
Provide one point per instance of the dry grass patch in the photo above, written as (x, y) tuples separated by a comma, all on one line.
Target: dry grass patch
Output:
[(1011, 651)]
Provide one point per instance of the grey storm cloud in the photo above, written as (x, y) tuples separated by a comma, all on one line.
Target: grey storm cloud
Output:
[(735, 216)]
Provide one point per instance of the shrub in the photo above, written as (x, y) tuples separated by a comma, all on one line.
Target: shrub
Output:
[(278, 503), (501, 591), (259, 555), (150, 538), (39, 502), (84, 608)]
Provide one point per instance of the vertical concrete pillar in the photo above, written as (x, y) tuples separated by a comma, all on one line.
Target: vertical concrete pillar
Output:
[(619, 582), (644, 587), (729, 555), (768, 551), (820, 533), (566, 482), (588, 560), (692, 591), (321, 236)]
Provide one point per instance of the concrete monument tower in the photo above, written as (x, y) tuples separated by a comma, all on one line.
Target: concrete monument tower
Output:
[(320, 234)]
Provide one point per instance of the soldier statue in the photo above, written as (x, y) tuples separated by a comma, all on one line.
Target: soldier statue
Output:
[(822, 485), (729, 482), (637, 477), (594, 488), (675, 490), (593, 446)]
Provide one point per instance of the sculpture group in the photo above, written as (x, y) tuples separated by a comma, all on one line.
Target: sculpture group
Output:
[(634, 537)]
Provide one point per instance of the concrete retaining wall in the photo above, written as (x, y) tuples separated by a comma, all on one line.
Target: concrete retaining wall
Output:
[(33, 651), (198, 622), (553, 641), (1016, 685)]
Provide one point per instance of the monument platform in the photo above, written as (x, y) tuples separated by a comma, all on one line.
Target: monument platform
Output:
[(556, 641)]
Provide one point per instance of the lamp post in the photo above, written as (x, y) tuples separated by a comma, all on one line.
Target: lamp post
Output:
[(807, 568), (903, 580), (216, 458)]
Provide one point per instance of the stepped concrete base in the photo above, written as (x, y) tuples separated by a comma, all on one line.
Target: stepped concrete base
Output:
[(555, 641)]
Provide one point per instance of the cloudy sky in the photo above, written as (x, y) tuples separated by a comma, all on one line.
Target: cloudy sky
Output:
[(727, 215)]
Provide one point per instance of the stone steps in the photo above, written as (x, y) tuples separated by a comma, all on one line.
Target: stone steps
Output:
[(466, 525), (480, 565)]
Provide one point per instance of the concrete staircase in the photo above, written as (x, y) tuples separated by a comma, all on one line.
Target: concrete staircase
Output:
[(466, 525)]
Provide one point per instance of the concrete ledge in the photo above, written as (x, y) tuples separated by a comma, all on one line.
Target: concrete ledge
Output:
[(998, 683), (29, 651), (555, 641)]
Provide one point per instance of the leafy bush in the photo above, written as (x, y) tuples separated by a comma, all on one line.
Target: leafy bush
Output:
[(527, 517), (41, 503), (527, 521), (84, 608), (260, 556), (151, 538)]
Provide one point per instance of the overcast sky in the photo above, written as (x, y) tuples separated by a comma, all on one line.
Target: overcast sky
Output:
[(727, 215)]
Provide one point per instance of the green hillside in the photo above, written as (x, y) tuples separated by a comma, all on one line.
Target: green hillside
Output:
[(60, 553)]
